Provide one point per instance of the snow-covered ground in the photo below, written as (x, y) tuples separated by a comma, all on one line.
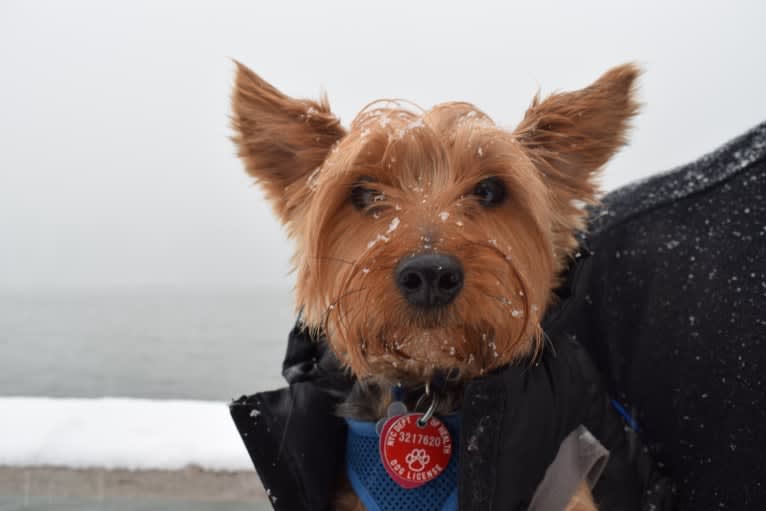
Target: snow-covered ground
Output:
[(119, 433)]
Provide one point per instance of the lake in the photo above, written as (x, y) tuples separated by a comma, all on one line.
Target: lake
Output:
[(153, 343)]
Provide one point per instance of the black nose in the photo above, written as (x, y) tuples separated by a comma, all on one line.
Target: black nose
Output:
[(429, 280)]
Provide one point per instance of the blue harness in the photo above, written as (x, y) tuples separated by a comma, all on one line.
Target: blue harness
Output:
[(376, 489)]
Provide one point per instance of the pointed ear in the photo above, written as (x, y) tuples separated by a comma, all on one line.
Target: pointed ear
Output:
[(281, 140), (569, 136)]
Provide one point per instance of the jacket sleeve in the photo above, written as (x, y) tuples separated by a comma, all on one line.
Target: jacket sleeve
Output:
[(671, 307)]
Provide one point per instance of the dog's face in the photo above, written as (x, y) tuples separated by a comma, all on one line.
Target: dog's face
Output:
[(430, 240)]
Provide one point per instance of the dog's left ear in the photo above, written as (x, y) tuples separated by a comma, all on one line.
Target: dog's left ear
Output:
[(570, 136), (281, 140)]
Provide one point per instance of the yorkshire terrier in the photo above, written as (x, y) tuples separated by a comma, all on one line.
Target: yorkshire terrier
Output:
[(428, 242)]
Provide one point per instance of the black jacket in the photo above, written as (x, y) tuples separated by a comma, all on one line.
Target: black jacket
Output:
[(670, 306)]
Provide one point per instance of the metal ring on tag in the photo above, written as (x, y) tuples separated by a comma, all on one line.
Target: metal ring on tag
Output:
[(423, 396), (422, 421)]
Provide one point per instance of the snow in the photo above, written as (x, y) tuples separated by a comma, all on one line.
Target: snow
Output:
[(123, 433), (379, 237), (313, 177), (418, 123), (393, 225)]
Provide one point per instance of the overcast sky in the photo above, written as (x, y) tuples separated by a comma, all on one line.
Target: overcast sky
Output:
[(115, 166)]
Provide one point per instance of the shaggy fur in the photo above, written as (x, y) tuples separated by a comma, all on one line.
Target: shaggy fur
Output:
[(419, 169)]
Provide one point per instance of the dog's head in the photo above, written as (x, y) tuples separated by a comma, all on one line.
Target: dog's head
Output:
[(430, 240)]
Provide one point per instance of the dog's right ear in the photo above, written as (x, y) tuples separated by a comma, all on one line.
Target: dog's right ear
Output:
[(281, 140)]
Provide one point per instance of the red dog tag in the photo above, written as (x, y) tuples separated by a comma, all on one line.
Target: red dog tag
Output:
[(412, 454)]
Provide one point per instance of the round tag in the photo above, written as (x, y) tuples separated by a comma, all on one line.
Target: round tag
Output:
[(412, 454)]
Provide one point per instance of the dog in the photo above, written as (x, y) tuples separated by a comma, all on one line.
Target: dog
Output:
[(428, 242)]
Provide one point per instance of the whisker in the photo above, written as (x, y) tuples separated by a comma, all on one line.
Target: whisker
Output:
[(335, 305), (517, 277), (547, 340), (502, 299), (335, 259)]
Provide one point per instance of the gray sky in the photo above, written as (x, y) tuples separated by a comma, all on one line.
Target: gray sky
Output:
[(115, 167)]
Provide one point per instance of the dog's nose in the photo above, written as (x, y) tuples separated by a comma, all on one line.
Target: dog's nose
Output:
[(429, 280)]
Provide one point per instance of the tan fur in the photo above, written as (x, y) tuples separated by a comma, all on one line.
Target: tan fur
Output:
[(423, 166), (570, 136), (582, 500)]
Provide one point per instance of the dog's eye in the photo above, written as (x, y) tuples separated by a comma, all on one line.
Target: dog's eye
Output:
[(491, 192), (362, 195)]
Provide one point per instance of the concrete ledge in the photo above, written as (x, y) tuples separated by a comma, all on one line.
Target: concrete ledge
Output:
[(190, 484)]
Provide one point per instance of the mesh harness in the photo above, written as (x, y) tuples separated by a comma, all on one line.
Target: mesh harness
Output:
[(376, 489)]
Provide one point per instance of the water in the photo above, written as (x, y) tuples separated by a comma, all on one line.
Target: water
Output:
[(149, 342)]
